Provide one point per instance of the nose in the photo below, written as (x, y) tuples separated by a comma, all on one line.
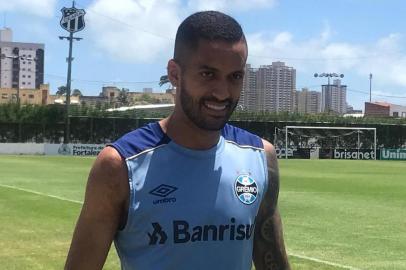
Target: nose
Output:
[(221, 90)]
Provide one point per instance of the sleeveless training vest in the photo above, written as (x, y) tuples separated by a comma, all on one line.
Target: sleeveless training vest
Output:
[(191, 209)]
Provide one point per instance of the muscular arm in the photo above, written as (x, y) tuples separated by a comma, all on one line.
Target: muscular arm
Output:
[(103, 212), (269, 248)]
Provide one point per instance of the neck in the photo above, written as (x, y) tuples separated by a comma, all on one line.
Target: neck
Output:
[(185, 133)]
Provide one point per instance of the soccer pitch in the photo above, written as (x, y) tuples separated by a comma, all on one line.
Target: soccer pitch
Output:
[(337, 214)]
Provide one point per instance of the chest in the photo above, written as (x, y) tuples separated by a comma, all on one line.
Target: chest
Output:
[(224, 189)]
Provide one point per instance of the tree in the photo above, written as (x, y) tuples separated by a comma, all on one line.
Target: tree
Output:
[(122, 97), (77, 92), (61, 90), (163, 80)]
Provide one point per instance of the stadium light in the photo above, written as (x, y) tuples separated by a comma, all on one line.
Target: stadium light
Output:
[(329, 75)]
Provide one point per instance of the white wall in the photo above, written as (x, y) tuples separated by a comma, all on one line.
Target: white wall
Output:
[(401, 110), (22, 148), (50, 149)]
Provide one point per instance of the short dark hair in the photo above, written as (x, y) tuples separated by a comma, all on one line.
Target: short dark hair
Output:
[(206, 25)]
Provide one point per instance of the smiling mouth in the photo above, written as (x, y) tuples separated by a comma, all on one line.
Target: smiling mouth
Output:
[(215, 107)]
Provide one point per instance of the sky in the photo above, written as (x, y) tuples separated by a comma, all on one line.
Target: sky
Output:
[(127, 43)]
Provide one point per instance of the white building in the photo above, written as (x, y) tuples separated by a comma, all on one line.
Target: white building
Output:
[(269, 88), (334, 97), (147, 90), (21, 64), (249, 94), (308, 101)]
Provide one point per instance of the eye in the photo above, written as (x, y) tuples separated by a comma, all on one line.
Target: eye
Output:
[(238, 76), (207, 74)]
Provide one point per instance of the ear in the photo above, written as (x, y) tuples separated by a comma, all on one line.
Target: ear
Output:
[(174, 73)]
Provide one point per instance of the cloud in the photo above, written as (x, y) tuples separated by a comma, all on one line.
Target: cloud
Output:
[(42, 8), (134, 30), (230, 5), (383, 58), (144, 30)]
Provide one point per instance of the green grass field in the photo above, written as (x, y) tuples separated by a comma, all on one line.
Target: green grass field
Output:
[(337, 214)]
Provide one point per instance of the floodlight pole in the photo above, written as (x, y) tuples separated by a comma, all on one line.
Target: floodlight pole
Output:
[(70, 38), (68, 86)]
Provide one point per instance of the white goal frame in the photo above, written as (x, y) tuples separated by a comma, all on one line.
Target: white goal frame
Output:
[(337, 128)]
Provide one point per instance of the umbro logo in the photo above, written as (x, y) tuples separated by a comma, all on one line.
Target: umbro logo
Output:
[(163, 191)]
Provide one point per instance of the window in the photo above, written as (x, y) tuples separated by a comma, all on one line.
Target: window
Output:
[(23, 76), (395, 114), (30, 96), (24, 62), (4, 96), (29, 76), (23, 83)]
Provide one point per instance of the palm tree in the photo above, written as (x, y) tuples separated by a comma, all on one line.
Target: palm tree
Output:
[(163, 80), (61, 90), (77, 92)]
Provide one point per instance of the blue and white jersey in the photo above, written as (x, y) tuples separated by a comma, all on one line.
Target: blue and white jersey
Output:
[(191, 209)]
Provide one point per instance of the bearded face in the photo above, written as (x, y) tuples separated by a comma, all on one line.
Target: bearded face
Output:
[(206, 112)]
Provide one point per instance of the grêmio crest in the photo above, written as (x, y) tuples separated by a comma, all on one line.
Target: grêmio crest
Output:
[(73, 19)]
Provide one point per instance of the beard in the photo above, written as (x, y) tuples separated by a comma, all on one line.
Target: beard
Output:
[(193, 109)]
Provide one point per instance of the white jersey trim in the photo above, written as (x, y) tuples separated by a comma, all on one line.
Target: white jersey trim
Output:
[(145, 151), (244, 146)]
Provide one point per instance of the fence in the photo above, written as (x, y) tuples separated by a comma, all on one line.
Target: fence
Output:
[(94, 130)]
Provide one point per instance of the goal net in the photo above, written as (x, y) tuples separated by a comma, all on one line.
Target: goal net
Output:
[(326, 142)]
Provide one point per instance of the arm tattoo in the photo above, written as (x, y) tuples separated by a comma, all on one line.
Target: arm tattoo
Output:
[(267, 230), (269, 261), (269, 249)]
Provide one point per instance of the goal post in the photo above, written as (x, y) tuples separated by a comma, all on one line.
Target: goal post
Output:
[(356, 129)]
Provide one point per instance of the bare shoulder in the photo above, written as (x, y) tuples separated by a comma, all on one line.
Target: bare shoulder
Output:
[(109, 175), (271, 196), (109, 161), (109, 158), (103, 212), (269, 150)]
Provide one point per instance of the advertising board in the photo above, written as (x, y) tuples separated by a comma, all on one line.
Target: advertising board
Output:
[(73, 149), (393, 154)]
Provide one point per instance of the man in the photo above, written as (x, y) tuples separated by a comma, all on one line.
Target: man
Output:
[(189, 191)]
